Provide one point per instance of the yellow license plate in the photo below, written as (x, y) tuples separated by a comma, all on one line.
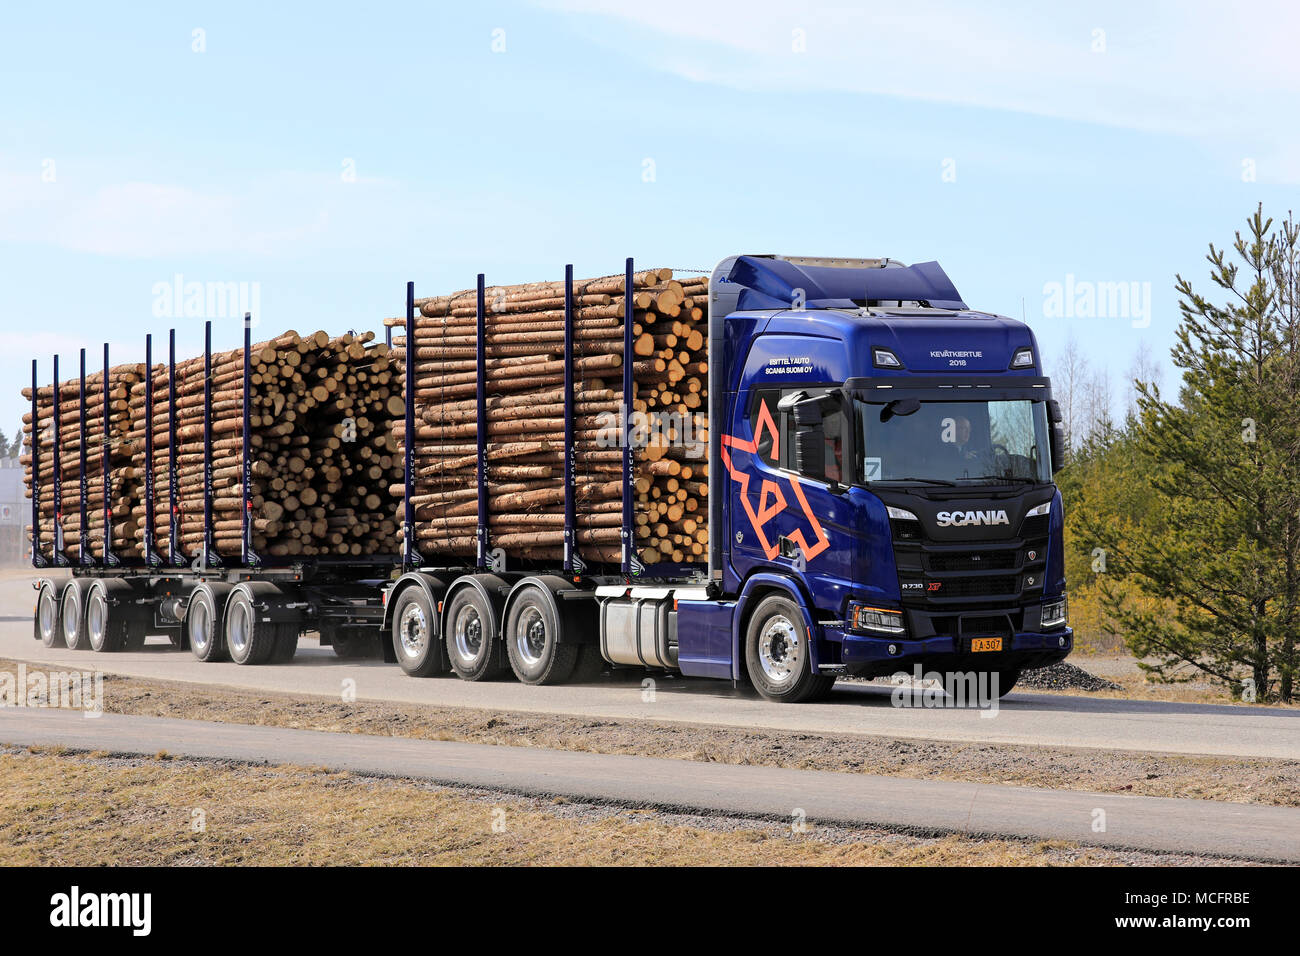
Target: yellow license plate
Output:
[(986, 644)]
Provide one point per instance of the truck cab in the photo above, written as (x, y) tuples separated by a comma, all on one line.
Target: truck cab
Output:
[(881, 482)]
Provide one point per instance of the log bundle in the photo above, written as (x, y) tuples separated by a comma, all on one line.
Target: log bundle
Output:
[(525, 424), (321, 452), (123, 483)]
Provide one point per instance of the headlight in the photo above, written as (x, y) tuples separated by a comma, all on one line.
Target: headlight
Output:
[(883, 358), (1042, 509), (879, 619), (1055, 613), (898, 514), (1024, 358)]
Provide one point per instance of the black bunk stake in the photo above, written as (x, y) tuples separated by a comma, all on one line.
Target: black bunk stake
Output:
[(480, 356), (572, 563), (60, 558), (38, 559), (631, 566), (84, 557), (248, 556), (151, 558), (176, 556), (410, 556), (111, 560), (208, 556)]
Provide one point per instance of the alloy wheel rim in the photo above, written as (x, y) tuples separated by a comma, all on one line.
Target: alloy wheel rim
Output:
[(96, 614), (200, 626), (414, 631), (468, 634), (780, 651), (237, 634), (530, 636)]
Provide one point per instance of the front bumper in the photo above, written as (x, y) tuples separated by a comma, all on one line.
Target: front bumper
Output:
[(869, 655)]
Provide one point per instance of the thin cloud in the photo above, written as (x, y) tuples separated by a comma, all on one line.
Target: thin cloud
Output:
[(1184, 69)]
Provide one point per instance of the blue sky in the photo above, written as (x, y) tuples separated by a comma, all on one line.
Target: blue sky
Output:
[(326, 153)]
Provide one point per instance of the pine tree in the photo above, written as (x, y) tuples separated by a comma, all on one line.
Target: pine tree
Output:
[(1221, 556)]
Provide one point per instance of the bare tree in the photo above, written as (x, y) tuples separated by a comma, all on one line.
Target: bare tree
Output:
[(1144, 368), (1068, 387)]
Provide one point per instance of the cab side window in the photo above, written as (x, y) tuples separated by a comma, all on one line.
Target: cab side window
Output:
[(768, 397)]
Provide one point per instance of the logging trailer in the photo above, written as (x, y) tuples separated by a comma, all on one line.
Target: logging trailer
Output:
[(880, 497)]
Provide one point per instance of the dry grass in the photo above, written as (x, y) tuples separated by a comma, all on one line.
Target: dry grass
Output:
[(1122, 668), (86, 811)]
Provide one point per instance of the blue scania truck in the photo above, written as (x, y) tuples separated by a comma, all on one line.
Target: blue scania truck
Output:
[(880, 498)]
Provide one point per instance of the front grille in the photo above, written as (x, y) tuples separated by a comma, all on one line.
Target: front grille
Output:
[(951, 577), (977, 587), (972, 561)]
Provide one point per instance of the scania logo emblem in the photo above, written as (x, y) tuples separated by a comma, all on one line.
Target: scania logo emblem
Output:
[(959, 519)]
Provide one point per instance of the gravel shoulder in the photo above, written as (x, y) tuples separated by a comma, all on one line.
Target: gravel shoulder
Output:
[(1233, 780)]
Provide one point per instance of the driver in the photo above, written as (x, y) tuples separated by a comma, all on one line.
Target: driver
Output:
[(961, 442)]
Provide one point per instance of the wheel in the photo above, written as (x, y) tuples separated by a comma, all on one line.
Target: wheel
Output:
[(105, 631), (419, 652), (777, 654), (72, 617), (136, 633), (286, 643), (532, 640), (352, 642), (473, 647), (248, 640), (201, 627), (46, 624)]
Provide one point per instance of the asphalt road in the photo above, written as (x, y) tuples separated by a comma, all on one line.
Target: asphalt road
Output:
[(1147, 823), (1022, 718)]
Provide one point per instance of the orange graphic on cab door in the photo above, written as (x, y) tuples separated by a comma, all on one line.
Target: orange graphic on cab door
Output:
[(771, 500)]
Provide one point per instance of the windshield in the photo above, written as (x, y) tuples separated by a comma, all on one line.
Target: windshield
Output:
[(964, 442)]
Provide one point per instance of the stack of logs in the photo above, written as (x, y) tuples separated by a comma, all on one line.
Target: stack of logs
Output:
[(124, 482), (524, 348), (320, 446)]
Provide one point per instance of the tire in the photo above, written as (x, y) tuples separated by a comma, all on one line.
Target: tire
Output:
[(105, 631), (46, 626), (136, 633), (201, 627), (72, 618), (248, 640), (532, 638), (414, 635), (473, 646), (777, 653), (286, 643)]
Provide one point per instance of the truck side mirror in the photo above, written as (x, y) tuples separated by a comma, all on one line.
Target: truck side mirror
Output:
[(809, 438), (1056, 422)]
